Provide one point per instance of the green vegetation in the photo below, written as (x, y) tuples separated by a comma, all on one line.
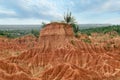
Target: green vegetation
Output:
[(18, 33), (43, 25), (68, 18), (104, 30), (35, 32), (12, 33), (15, 31), (75, 29)]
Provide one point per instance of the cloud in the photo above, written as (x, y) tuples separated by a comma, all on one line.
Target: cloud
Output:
[(112, 5), (109, 6), (113, 20), (43, 9), (51, 10), (23, 21), (7, 13)]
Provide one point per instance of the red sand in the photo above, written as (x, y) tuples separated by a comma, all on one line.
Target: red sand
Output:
[(61, 56)]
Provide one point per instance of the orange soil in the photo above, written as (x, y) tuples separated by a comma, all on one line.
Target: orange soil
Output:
[(10, 47), (58, 55)]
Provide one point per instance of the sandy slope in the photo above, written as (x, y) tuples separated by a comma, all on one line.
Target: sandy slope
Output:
[(60, 56)]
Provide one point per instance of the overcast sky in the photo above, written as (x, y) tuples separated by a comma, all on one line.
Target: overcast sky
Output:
[(37, 11)]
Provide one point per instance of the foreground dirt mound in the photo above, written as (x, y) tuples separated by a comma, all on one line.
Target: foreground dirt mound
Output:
[(11, 71), (69, 72), (22, 43), (10, 47), (61, 56)]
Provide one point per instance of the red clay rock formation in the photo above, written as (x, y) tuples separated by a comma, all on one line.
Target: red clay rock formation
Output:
[(11, 68), (69, 72), (10, 47), (53, 37), (22, 43), (11, 71), (63, 57)]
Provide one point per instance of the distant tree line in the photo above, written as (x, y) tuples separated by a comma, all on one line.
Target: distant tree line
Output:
[(103, 30), (18, 33), (12, 33), (76, 29)]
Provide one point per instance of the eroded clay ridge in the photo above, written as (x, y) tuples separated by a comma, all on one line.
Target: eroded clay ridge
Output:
[(18, 43), (60, 56), (11, 71), (10, 47)]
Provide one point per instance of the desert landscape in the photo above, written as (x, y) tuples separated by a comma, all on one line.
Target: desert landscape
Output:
[(58, 55), (59, 39)]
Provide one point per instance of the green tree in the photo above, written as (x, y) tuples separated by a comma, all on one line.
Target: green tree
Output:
[(35, 32), (43, 24), (68, 18)]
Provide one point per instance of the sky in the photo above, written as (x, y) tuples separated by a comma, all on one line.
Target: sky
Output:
[(38, 11)]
